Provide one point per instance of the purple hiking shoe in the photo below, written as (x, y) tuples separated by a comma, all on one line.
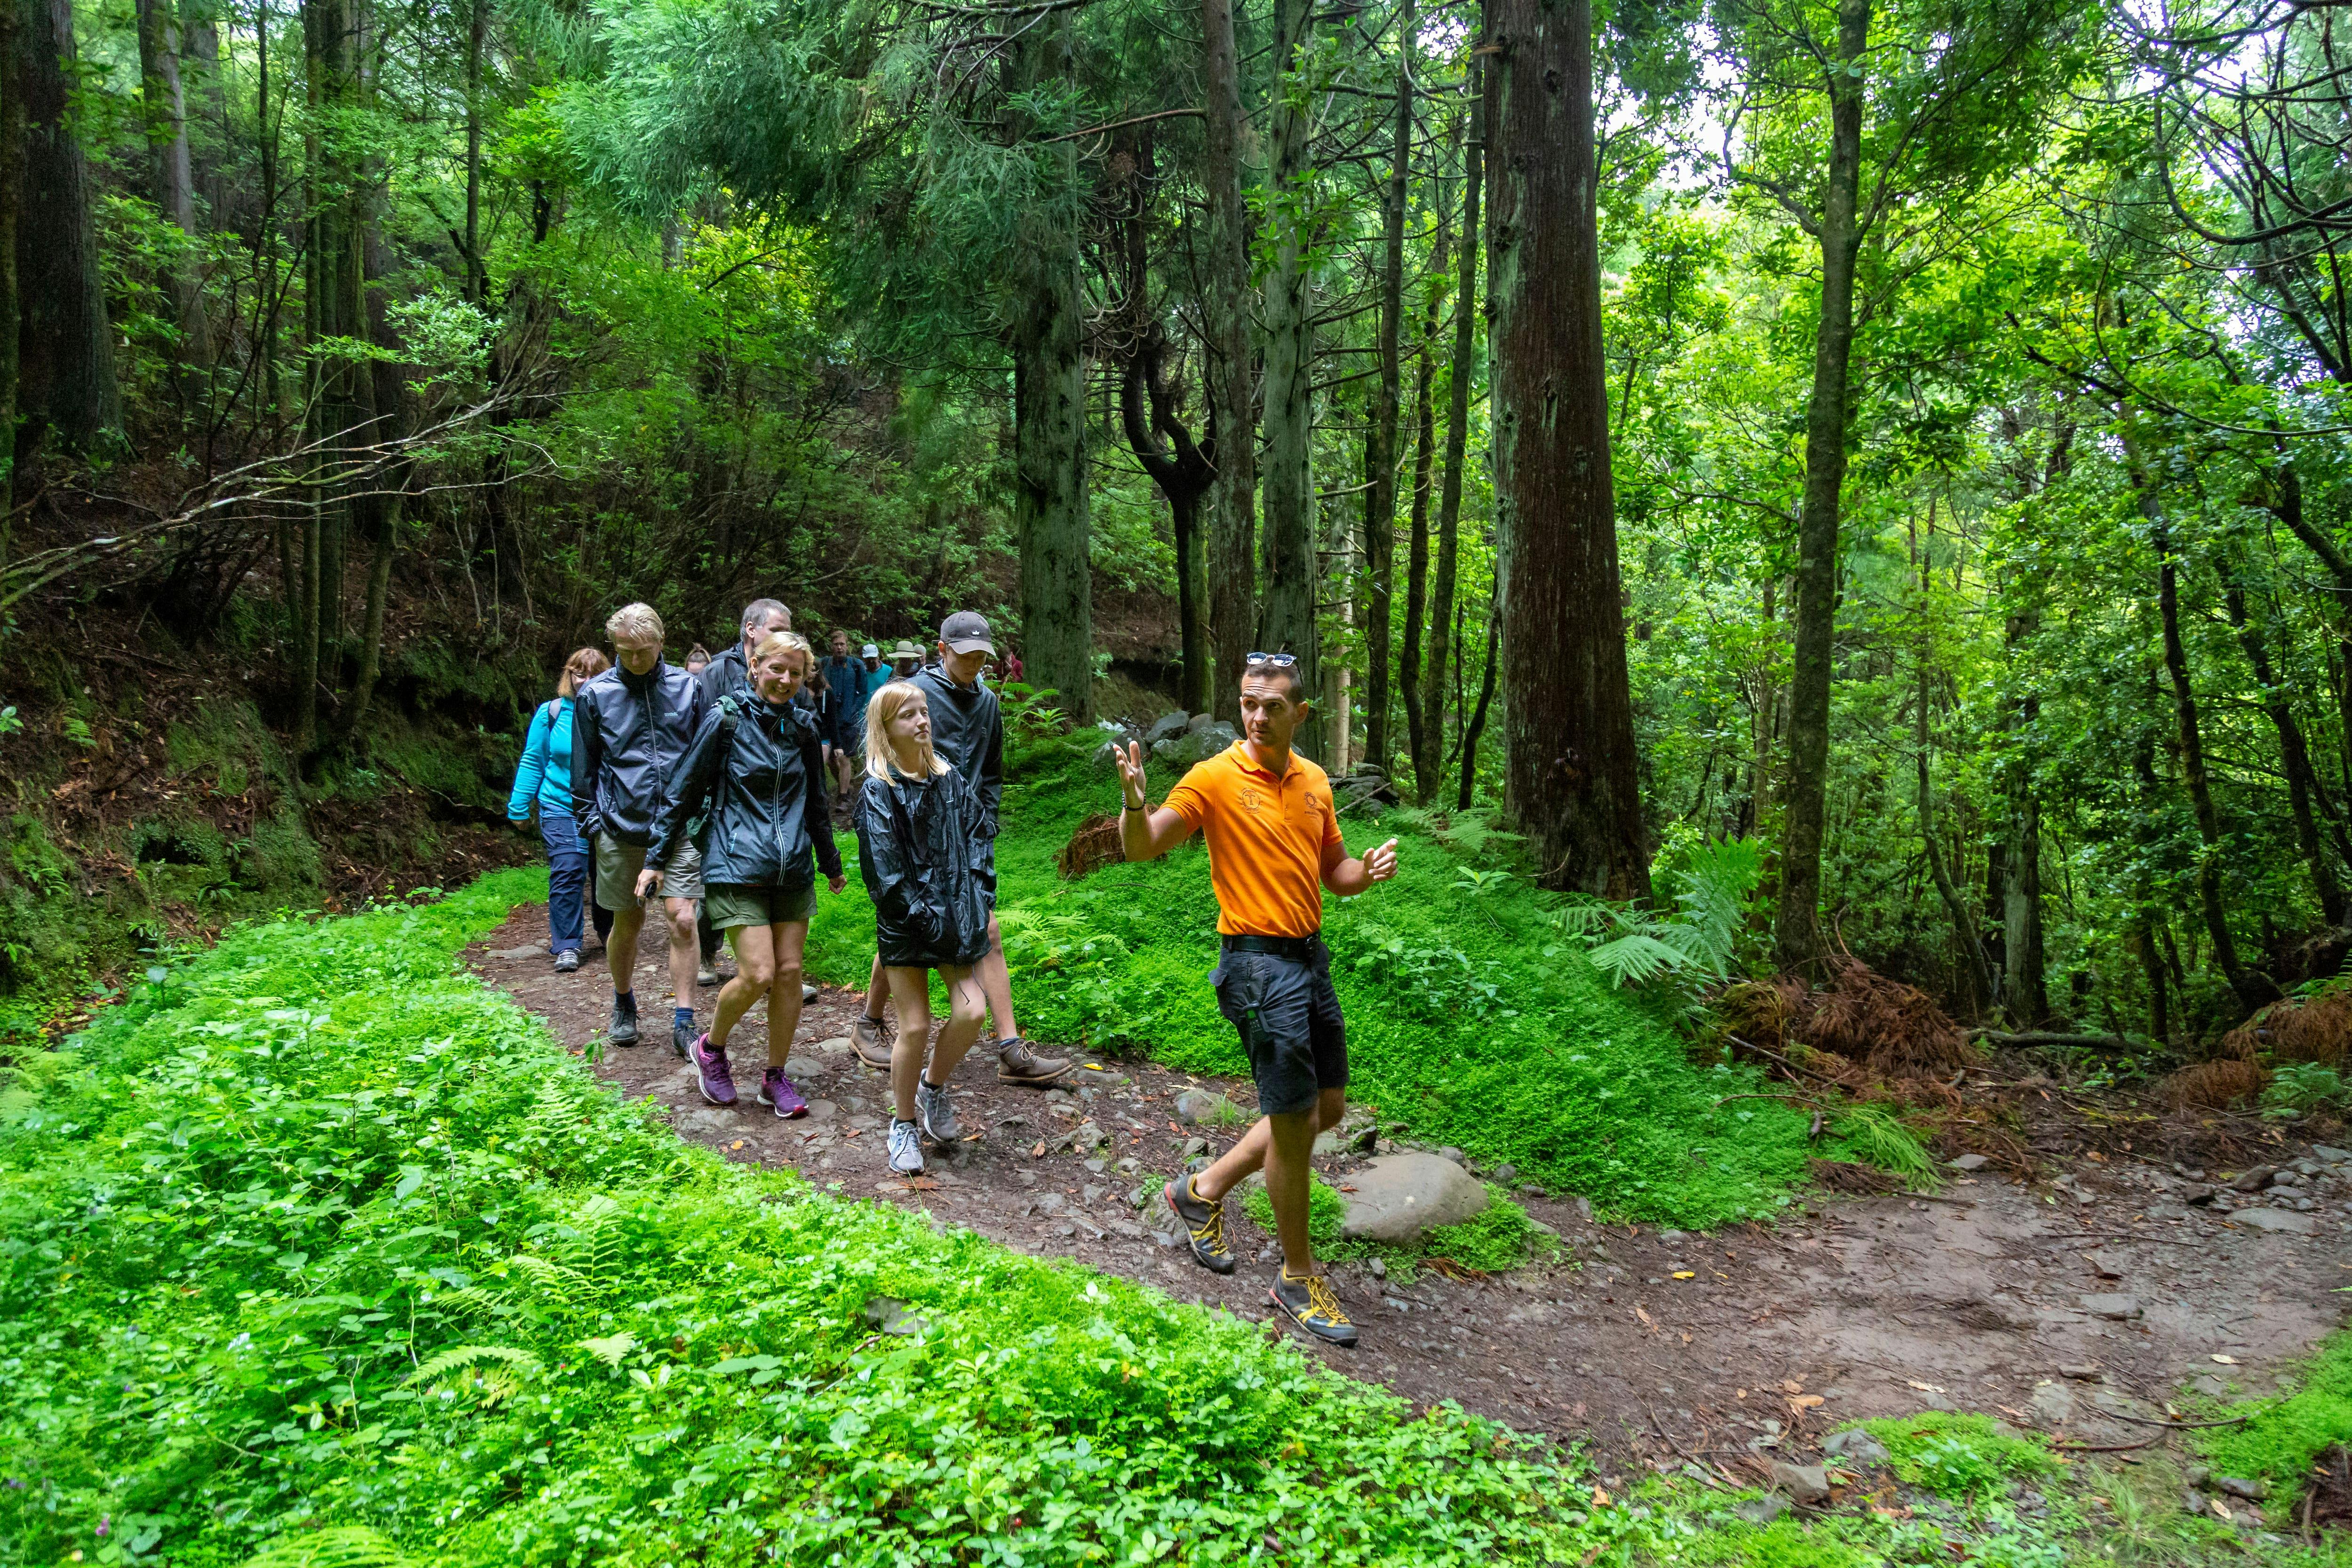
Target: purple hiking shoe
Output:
[(713, 1075), (776, 1090)]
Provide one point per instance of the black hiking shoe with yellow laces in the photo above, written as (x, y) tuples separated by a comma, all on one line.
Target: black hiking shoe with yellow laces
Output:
[(1206, 1221), (1315, 1307)]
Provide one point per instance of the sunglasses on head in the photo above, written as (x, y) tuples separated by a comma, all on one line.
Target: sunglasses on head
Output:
[(1278, 660)]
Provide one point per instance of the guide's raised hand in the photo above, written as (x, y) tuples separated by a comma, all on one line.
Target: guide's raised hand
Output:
[(1380, 863), (1133, 786)]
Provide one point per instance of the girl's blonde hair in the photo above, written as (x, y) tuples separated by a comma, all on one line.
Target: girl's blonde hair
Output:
[(583, 667), (775, 643), (886, 705)]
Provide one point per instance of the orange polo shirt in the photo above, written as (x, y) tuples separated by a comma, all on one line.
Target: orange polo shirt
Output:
[(1265, 839)]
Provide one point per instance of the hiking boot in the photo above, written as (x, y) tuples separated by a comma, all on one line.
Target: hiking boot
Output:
[(777, 1090), (624, 1028), (936, 1114), (713, 1075), (681, 1039), (568, 961), (1313, 1306), (872, 1045), (708, 974), (1206, 1221), (905, 1148), (1018, 1061)]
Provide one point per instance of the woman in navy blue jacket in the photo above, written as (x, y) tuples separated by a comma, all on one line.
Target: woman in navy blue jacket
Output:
[(543, 778), (753, 779)]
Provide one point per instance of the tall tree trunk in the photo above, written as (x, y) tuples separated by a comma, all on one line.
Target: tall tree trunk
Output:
[(2254, 988), (1570, 780), (1796, 926), (1381, 457), (1475, 723), (11, 199), (2025, 971), (1049, 421), (201, 84), (1290, 575), (477, 277), (172, 182), (66, 384), (1464, 371), (2294, 755), (1233, 423), (1147, 408), (1416, 576), (1964, 924)]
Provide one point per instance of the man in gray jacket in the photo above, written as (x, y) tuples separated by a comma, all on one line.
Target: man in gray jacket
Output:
[(968, 730), (629, 727)]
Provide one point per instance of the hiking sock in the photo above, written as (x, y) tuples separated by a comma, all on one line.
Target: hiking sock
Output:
[(627, 1001), (682, 1018)]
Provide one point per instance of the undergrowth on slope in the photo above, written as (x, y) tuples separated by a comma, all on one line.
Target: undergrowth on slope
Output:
[(1470, 1021), (1499, 1238), (322, 1244)]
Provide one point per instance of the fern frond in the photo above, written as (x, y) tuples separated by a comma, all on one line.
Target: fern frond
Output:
[(521, 1361), (1586, 920), (1636, 959), (345, 1546)]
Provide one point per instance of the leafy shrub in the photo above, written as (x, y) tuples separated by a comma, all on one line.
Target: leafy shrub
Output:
[(1959, 1455), (1698, 940), (1875, 1134), (2297, 1088), (324, 1250)]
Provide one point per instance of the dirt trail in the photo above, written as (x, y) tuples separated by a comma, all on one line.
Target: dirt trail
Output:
[(1860, 1308)]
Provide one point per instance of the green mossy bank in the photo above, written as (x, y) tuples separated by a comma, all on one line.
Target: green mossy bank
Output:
[(320, 1234), (1469, 1021)]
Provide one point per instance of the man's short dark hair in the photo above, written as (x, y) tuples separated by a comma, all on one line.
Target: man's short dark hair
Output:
[(1287, 672), (760, 612)]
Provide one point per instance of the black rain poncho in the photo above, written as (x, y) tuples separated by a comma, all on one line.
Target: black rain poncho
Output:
[(920, 847)]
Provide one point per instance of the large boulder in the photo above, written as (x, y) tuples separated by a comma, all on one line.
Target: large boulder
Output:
[(1195, 746), (1167, 727), (1400, 1197)]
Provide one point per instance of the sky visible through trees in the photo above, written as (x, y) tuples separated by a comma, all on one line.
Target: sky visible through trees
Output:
[(1912, 434)]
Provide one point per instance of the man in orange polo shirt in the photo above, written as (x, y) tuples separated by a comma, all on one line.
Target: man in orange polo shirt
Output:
[(1274, 847)]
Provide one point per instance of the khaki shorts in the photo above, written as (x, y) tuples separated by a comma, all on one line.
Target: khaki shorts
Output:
[(733, 904), (617, 865)]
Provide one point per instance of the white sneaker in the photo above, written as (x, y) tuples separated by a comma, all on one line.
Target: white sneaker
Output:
[(936, 1114), (905, 1148)]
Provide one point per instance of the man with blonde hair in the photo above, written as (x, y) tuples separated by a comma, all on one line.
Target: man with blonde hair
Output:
[(629, 727)]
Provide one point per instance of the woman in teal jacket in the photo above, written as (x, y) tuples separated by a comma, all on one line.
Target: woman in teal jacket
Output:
[(543, 778)]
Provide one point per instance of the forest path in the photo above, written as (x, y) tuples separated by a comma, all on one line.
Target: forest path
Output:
[(1868, 1307)]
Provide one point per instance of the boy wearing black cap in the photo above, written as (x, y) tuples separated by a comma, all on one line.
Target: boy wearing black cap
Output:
[(968, 730)]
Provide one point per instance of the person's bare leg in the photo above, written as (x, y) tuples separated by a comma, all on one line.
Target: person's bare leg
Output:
[(878, 989), (620, 947), (789, 942), (755, 968), (996, 984), (910, 992), (1250, 1153), (967, 1007), (685, 950), (1289, 1168)]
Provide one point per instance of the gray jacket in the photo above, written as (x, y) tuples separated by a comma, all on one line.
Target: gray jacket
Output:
[(627, 733), (968, 730)]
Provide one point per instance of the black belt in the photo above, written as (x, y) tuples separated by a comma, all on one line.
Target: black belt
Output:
[(1301, 948)]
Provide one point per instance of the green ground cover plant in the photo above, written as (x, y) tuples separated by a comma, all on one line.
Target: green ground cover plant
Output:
[(316, 1234), (1959, 1453), (2280, 1439), (1472, 1021)]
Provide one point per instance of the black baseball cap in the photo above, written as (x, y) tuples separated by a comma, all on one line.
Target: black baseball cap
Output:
[(966, 631)]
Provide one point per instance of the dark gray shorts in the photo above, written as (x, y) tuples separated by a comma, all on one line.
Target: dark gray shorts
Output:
[(1289, 1020)]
